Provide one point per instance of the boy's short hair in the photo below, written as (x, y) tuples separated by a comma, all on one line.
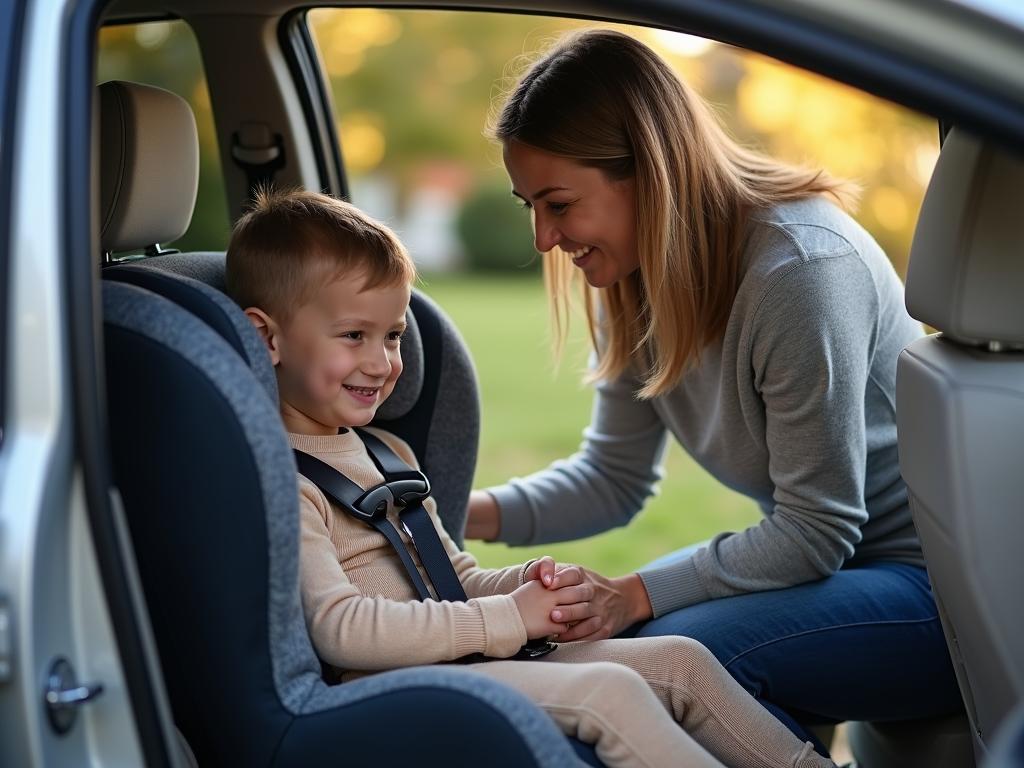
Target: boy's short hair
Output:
[(290, 243)]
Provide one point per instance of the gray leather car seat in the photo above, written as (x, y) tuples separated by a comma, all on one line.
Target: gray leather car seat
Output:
[(210, 495), (960, 417)]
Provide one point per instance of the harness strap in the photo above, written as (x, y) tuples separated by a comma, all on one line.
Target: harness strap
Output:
[(344, 493), (418, 524), (433, 555), (406, 488)]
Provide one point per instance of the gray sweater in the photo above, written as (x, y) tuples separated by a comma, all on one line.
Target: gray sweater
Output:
[(793, 408)]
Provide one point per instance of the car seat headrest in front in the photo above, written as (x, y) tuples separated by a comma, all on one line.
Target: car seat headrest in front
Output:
[(967, 260), (960, 419), (149, 166)]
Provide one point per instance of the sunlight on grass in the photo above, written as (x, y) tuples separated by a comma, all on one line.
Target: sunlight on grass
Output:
[(532, 415)]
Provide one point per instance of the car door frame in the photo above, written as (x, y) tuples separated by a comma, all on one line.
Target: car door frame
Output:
[(66, 571)]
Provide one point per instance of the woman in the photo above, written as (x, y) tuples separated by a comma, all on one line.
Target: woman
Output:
[(734, 304)]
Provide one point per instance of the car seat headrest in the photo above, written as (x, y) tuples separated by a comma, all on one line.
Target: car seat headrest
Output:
[(966, 266), (208, 268), (149, 165)]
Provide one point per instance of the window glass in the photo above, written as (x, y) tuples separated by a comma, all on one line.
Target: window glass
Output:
[(411, 90), (166, 54)]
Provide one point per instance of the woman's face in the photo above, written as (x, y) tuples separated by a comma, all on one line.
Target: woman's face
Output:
[(592, 219)]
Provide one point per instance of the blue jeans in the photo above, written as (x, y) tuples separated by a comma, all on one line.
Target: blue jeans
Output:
[(863, 644)]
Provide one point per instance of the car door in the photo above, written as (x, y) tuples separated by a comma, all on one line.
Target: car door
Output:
[(77, 684)]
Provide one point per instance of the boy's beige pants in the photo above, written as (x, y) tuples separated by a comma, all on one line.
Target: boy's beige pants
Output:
[(632, 710)]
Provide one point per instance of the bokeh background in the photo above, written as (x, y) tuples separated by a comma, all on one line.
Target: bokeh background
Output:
[(411, 91)]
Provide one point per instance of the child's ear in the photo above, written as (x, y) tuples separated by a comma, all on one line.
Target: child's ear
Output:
[(267, 329)]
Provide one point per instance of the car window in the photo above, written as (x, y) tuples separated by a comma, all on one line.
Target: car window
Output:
[(410, 92), (10, 24), (166, 54)]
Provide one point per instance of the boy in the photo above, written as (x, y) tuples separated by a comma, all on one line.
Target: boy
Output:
[(327, 289)]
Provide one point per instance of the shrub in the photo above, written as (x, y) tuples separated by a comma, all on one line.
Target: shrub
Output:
[(496, 233)]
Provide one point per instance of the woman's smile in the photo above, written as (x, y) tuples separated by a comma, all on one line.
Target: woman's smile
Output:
[(579, 256), (577, 209)]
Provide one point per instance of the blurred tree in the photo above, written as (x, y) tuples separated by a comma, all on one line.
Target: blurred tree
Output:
[(422, 78), (412, 86)]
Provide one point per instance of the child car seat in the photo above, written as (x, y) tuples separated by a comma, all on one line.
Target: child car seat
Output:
[(441, 424), (209, 490)]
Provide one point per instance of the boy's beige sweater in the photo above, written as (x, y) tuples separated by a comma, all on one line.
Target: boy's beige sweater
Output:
[(361, 609)]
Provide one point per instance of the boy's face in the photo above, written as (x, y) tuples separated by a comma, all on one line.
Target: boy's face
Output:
[(338, 358)]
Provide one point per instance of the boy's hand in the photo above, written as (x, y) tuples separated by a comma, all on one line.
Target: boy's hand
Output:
[(581, 621), (553, 575), (539, 606)]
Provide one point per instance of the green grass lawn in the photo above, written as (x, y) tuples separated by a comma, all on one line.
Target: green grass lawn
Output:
[(533, 415)]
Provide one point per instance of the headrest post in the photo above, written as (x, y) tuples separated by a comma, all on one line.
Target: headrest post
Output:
[(157, 250)]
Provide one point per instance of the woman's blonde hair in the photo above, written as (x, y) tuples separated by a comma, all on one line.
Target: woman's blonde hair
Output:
[(607, 101)]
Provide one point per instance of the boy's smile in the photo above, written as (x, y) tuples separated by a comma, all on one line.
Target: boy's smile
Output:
[(338, 358)]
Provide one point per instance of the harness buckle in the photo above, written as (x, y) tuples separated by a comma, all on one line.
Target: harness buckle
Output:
[(403, 494)]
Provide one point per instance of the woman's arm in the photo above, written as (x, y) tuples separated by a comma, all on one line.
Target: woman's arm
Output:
[(809, 352), (601, 487), (484, 519)]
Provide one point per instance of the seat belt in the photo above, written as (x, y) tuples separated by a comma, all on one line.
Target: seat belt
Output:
[(259, 153), (407, 489)]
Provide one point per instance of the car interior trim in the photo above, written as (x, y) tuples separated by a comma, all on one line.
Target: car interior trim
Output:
[(793, 34), (81, 258), (11, 19), (306, 67)]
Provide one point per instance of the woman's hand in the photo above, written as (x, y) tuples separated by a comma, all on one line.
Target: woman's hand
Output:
[(615, 605), (484, 519)]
